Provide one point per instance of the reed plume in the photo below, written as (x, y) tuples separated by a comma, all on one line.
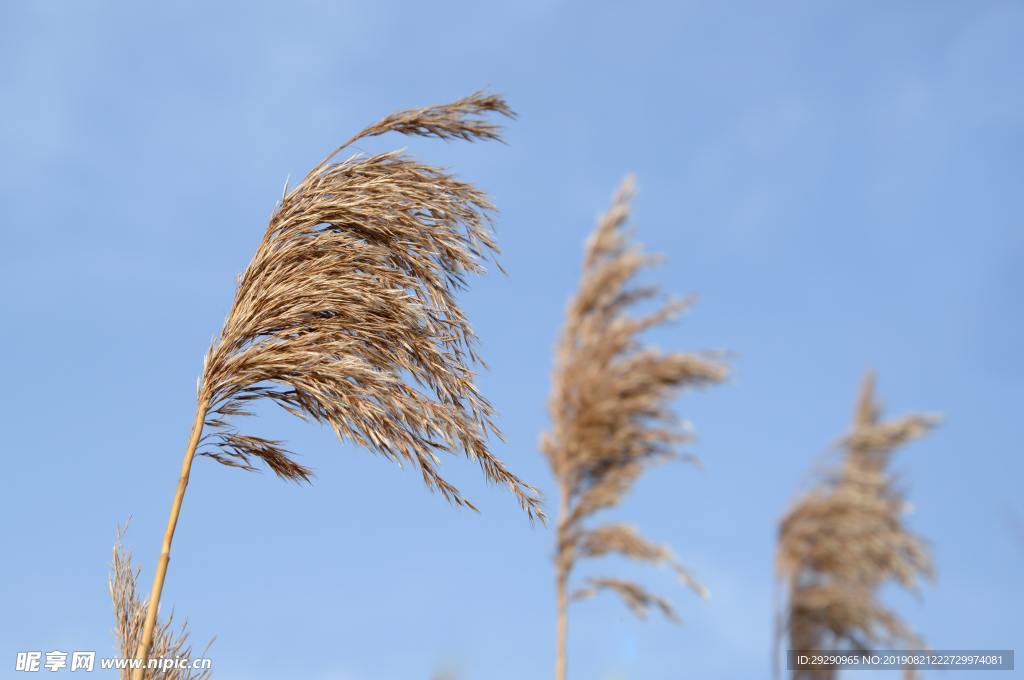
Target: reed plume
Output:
[(169, 641), (347, 315), (846, 538), (611, 415)]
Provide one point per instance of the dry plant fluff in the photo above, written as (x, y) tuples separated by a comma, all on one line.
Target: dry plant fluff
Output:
[(347, 316), (846, 539), (169, 642), (611, 415)]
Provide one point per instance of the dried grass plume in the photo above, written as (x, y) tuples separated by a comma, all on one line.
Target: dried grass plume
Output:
[(843, 541), (347, 315), (611, 414), (169, 641)]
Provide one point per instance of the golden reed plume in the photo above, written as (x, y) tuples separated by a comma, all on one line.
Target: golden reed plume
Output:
[(169, 642), (845, 539), (611, 415), (347, 315)]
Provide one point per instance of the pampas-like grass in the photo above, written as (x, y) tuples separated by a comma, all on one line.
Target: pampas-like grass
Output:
[(611, 415), (347, 315), (843, 541), (169, 641)]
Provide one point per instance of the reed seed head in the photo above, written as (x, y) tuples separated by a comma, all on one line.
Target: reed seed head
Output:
[(611, 405), (169, 641), (347, 313), (843, 541)]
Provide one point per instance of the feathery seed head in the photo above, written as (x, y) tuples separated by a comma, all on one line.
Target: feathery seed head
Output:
[(611, 405), (347, 313), (846, 538), (169, 641)]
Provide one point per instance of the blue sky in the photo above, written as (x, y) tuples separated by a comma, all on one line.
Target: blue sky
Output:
[(840, 183)]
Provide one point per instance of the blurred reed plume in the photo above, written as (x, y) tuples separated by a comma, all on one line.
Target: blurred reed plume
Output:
[(611, 414), (347, 315), (845, 539), (130, 615)]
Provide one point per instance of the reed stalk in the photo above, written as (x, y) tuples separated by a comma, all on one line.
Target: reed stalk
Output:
[(146, 641)]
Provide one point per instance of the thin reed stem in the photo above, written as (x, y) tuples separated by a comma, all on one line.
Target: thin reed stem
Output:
[(142, 653), (561, 585)]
